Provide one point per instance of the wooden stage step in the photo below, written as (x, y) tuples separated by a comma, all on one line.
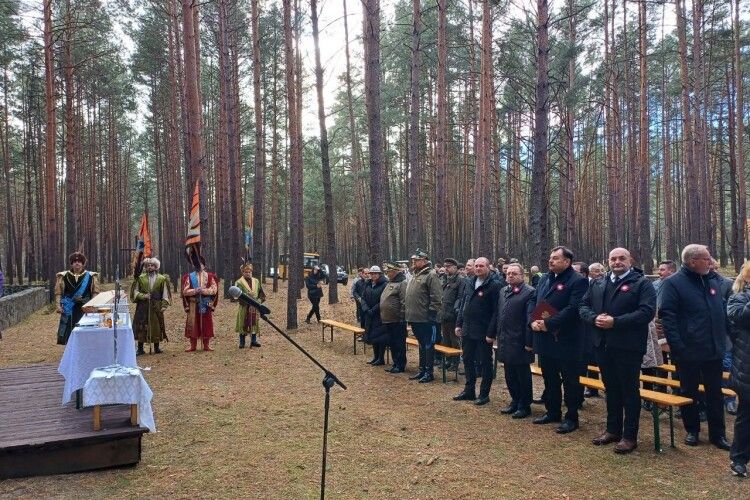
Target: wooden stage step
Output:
[(39, 436)]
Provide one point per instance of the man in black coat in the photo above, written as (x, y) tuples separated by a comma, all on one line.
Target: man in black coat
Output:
[(473, 326), (451, 285), (510, 325), (619, 308), (558, 338), (694, 319), (358, 288)]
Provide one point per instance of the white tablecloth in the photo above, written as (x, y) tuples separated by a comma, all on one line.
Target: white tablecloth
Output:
[(120, 385), (89, 348)]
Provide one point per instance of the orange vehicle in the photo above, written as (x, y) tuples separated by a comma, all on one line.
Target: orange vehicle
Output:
[(310, 260)]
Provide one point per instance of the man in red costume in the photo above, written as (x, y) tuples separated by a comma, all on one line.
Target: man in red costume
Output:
[(199, 298)]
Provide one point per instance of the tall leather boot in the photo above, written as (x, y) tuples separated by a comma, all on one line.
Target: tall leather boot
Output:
[(140, 349), (156, 348), (206, 347), (254, 341), (242, 340), (422, 367), (429, 362), (193, 345)]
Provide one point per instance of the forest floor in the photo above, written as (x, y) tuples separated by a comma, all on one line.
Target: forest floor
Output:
[(248, 424)]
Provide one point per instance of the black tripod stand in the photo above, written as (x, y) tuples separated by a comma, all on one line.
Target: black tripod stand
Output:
[(329, 380)]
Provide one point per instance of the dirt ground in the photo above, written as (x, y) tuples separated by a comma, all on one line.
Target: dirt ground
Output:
[(248, 424)]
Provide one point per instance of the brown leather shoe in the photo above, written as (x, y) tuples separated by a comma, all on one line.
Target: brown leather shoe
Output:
[(605, 438), (625, 446)]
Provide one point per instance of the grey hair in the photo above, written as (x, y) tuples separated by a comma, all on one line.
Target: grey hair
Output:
[(596, 265), (690, 251), (519, 266)]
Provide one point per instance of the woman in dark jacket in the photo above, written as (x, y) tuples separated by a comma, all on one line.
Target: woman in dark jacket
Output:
[(375, 333), (314, 292), (738, 311)]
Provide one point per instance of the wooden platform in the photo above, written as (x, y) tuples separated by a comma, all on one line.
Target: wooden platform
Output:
[(39, 436)]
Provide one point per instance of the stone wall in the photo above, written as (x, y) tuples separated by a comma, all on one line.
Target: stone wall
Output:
[(19, 306)]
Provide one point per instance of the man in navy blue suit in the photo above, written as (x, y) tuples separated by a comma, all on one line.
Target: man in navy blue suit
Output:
[(559, 337)]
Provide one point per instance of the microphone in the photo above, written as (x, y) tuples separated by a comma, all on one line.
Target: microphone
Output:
[(245, 299)]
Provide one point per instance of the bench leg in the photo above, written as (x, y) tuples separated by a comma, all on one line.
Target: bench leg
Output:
[(134, 415), (355, 343), (79, 399), (458, 362), (671, 427), (97, 418), (443, 366), (657, 436), (323, 333)]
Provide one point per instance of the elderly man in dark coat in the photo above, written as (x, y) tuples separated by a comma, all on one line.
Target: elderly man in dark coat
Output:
[(559, 337), (693, 315), (473, 326), (619, 309), (510, 326)]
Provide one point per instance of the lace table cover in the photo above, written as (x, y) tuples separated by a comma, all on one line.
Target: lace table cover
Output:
[(117, 384), (93, 347)]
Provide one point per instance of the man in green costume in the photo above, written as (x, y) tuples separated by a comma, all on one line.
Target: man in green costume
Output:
[(247, 317), (150, 292)]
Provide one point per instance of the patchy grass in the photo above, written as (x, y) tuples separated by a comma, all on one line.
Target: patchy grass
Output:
[(248, 424)]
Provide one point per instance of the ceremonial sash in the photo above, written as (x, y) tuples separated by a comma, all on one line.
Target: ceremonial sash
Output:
[(203, 300), (67, 303)]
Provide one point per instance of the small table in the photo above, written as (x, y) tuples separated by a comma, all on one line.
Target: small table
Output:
[(118, 384), (93, 347)]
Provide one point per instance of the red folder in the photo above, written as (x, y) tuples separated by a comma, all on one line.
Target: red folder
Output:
[(543, 311)]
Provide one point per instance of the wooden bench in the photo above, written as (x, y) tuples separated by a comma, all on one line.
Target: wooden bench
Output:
[(673, 369), (447, 352), (355, 330), (668, 382), (659, 399)]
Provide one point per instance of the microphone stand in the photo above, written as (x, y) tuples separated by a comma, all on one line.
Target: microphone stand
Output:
[(329, 380)]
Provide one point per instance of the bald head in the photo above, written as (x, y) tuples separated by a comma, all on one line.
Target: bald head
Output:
[(482, 267), (620, 261)]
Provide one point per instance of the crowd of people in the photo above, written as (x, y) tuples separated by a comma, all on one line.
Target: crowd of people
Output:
[(573, 316), (568, 318)]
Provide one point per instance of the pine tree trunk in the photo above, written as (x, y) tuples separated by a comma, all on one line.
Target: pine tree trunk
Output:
[(259, 189), (295, 172), (331, 257), (644, 214), (441, 191), (371, 40), (739, 235), (538, 209), (50, 164), (413, 231)]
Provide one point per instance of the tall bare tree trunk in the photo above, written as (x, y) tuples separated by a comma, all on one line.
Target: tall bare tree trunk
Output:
[(693, 224), (331, 258), (414, 231), (644, 214), (371, 37), (481, 222), (538, 209), (193, 104), (71, 244), (739, 234), (53, 257), (259, 191), (296, 234), (441, 197)]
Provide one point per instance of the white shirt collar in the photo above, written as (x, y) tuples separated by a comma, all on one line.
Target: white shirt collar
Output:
[(613, 277)]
